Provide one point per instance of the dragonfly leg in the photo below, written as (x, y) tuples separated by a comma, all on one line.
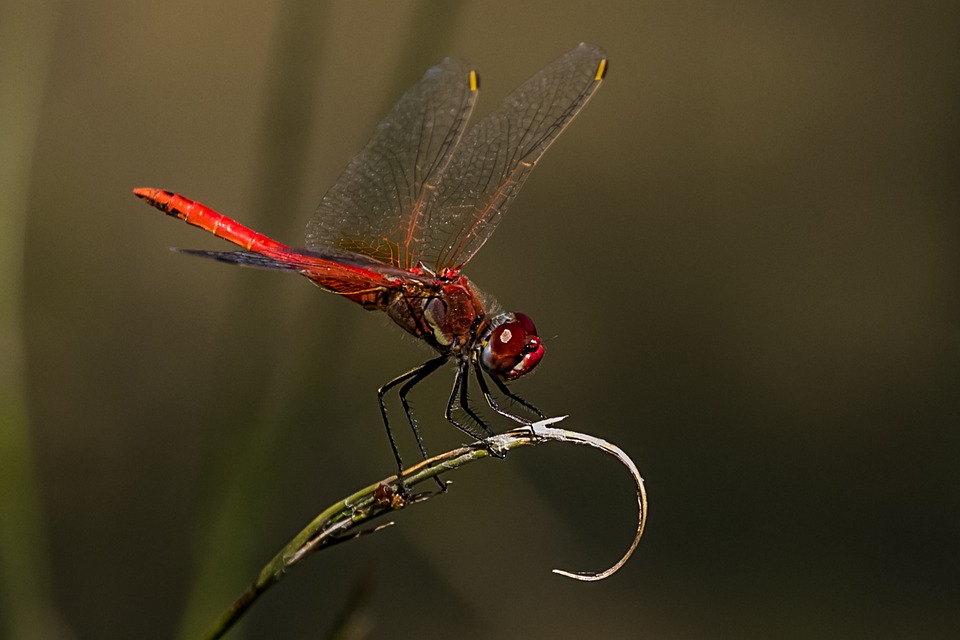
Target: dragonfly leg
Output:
[(425, 370), (410, 378), (460, 400), (505, 391)]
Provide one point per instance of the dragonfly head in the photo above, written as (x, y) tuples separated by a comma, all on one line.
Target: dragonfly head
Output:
[(513, 347)]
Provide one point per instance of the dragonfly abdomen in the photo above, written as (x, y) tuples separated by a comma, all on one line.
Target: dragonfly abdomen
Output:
[(200, 215)]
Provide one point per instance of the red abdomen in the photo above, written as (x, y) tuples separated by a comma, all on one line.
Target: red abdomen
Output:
[(199, 215)]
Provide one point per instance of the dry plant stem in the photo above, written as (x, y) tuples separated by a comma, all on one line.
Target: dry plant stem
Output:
[(343, 521)]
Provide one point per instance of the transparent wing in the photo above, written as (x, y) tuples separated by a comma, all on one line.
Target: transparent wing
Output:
[(375, 207), (334, 270), (496, 156)]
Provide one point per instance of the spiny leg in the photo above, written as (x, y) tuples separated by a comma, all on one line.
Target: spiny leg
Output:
[(457, 401), (460, 390), (413, 376), (505, 391), (428, 368), (453, 405), (465, 403)]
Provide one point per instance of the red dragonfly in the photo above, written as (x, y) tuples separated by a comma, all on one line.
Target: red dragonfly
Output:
[(412, 208)]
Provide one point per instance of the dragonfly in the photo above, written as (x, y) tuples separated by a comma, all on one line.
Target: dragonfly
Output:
[(409, 212)]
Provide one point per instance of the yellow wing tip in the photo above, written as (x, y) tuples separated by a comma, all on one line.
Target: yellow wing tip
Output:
[(601, 70), (474, 80)]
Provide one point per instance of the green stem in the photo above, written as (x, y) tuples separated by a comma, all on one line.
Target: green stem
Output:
[(344, 520)]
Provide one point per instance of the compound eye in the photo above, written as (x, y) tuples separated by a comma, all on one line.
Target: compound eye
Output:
[(507, 340), (527, 323), (513, 348)]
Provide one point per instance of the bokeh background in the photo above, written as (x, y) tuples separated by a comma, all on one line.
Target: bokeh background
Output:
[(744, 253)]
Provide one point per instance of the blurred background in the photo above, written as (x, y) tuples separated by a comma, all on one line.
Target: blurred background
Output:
[(744, 253)]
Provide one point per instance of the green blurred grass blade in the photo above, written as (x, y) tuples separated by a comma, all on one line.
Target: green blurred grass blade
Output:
[(26, 38)]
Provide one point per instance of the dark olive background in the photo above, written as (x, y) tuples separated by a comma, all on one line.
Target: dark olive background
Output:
[(743, 253)]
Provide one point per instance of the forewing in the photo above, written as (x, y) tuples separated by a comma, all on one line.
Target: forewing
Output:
[(496, 156), (376, 206)]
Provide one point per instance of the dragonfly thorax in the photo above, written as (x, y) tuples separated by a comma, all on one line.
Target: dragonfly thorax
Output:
[(449, 315)]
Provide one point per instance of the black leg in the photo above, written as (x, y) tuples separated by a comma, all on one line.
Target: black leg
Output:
[(460, 391), (425, 370), (458, 400), (465, 403), (413, 376), (505, 391)]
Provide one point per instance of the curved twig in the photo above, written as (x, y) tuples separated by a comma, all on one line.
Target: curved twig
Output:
[(562, 435), (344, 520)]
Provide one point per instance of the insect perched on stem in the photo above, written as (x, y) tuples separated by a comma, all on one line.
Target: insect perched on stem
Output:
[(412, 208)]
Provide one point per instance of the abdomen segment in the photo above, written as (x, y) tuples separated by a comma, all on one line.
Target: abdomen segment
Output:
[(199, 215)]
